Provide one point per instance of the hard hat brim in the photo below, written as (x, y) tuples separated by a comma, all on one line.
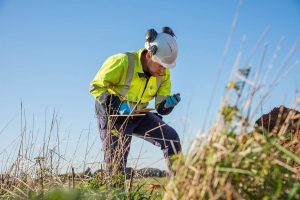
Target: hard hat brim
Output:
[(165, 65)]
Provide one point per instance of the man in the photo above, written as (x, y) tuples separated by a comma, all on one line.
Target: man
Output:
[(123, 87)]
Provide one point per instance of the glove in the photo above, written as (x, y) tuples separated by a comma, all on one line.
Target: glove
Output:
[(172, 101), (125, 109)]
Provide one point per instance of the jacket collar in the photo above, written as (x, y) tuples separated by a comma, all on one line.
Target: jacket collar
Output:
[(140, 70)]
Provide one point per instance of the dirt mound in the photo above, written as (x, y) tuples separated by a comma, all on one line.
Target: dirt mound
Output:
[(280, 120)]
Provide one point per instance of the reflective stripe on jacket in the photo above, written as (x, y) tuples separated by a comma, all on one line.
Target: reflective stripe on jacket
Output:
[(122, 75)]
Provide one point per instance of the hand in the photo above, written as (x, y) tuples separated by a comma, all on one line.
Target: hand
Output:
[(172, 101), (125, 109)]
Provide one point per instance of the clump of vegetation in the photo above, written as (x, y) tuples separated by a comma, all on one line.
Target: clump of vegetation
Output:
[(283, 124), (95, 188), (250, 166), (235, 164)]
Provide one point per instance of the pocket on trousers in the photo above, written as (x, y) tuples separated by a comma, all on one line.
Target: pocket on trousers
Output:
[(101, 114)]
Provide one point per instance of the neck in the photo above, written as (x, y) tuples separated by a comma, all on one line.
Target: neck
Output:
[(144, 62)]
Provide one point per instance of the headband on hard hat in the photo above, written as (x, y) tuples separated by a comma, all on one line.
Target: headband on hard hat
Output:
[(162, 46)]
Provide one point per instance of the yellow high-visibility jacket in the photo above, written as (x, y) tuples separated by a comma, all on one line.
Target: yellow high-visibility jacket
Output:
[(122, 75)]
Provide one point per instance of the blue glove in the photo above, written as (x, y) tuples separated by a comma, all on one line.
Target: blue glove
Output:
[(125, 109), (172, 101)]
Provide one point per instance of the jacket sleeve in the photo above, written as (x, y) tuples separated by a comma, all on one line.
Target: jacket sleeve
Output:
[(163, 91), (109, 75)]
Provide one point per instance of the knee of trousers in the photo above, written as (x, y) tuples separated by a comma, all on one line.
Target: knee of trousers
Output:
[(172, 142)]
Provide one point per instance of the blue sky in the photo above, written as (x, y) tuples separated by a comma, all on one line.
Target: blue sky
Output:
[(51, 50)]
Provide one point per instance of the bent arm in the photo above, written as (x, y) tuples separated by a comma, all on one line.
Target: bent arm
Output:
[(163, 91), (108, 76)]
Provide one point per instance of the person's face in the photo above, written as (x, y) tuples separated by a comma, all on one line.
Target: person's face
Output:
[(154, 68)]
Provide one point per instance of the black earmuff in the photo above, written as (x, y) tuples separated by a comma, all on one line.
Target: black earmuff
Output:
[(168, 30), (151, 35)]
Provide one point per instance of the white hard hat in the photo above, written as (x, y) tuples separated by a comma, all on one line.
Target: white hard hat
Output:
[(165, 50)]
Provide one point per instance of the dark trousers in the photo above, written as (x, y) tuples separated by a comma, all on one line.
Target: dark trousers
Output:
[(116, 133)]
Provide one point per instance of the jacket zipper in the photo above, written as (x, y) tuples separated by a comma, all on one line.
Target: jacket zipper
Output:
[(144, 90)]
